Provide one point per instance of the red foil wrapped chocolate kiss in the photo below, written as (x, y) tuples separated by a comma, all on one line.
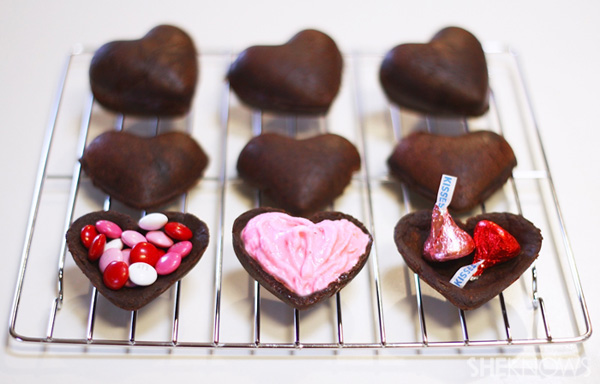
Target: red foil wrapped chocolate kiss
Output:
[(493, 244), (446, 240)]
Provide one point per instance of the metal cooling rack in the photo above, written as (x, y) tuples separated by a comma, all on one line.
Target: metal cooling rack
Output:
[(218, 307)]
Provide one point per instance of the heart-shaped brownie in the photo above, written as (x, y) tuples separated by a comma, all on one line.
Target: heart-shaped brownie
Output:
[(153, 76), (300, 176), (447, 76), (302, 76), (301, 261), (144, 172), (412, 231), (133, 298), (482, 161)]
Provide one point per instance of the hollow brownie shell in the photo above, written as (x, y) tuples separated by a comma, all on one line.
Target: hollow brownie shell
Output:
[(302, 76), (482, 161), (272, 284), (412, 231), (144, 172), (447, 76), (301, 176), (135, 297), (153, 76)]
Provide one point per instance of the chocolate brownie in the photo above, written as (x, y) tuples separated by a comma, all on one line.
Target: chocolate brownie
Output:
[(144, 172), (300, 176), (447, 76), (482, 161), (301, 77), (153, 76)]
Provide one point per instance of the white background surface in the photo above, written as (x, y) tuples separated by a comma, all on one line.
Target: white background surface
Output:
[(559, 43)]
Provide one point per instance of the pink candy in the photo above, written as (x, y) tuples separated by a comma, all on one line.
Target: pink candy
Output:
[(159, 239), (125, 252), (110, 255), (131, 238)]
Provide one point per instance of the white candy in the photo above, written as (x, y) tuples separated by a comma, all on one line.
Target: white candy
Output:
[(153, 221), (116, 243), (142, 274)]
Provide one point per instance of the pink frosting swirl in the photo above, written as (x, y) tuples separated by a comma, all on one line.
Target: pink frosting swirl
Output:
[(304, 256)]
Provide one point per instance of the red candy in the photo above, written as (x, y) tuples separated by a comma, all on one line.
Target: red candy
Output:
[(446, 240), (178, 231), (493, 245), (88, 233), (116, 275), (144, 252), (96, 248)]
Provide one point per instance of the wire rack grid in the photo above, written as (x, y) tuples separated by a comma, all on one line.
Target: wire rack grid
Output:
[(217, 307)]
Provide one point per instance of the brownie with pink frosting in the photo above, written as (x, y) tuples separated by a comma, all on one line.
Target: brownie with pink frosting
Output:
[(322, 253)]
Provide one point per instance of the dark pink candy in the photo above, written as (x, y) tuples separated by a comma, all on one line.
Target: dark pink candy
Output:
[(168, 263), (446, 240), (183, 248)]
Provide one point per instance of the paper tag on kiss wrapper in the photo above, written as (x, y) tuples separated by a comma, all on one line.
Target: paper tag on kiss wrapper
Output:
[(464, 274), (445, 191)]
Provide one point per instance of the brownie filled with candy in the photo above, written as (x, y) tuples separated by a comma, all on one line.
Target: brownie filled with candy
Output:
[(468, 263), (132, 262)]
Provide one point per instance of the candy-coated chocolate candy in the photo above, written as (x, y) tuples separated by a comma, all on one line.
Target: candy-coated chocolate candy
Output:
[(97, 247), (116, 275), (168, 263), (88, 233), (446, 240), (178, 231), (142, 274), (153, 221), (114, 243), (159, 239), (131, 238), (493, 245), (125, 252), (110, 229), (109, 255), (144, 252), (182, 247)]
